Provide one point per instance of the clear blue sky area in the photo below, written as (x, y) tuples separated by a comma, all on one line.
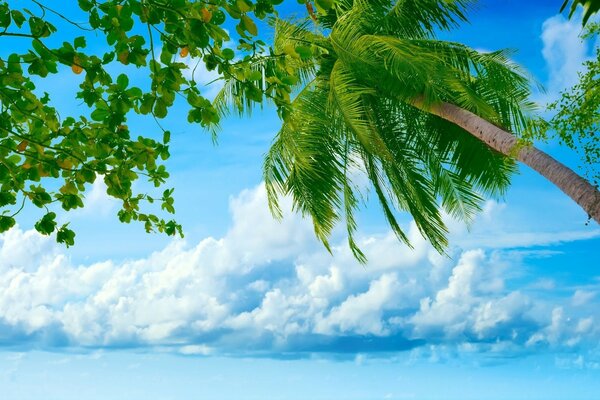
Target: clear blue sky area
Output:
[(246, 307)]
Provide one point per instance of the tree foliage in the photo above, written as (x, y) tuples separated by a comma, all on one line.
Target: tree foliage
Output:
[(364, 69), (48, 159), (577, 118), (356, 69)]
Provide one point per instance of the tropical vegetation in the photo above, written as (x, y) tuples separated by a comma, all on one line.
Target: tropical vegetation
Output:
[(433, 125), (362, 87)]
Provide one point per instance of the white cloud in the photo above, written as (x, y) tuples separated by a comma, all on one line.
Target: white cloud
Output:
[(326, 286), (564, 53), (581, 297), (361, 313), (474, 300), (269, 285), (564, 329), (585, 325), (24, 250), (526, 239), (98, 204), (194, 350)]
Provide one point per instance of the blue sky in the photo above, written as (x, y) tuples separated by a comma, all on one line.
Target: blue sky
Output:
[(246, 307)]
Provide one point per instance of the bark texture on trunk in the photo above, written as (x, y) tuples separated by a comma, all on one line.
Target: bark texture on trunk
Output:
[(577, 188)]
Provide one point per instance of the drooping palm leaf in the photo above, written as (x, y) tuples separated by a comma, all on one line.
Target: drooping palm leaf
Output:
[(357, 112)]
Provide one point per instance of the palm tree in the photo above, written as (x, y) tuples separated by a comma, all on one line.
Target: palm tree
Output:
[(428, 122)]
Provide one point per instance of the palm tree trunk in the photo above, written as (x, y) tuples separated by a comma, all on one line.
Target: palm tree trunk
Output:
[(577, 188)]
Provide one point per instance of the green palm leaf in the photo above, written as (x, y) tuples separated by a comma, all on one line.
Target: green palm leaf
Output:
[(363, 106)]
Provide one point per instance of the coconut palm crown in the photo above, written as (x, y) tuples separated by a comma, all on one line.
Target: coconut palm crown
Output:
[(367, 72)]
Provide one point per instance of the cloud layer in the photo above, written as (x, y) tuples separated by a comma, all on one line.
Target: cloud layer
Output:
[(268, 288)]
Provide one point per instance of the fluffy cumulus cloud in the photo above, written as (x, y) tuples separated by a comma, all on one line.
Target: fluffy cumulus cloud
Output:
[(268, 287)]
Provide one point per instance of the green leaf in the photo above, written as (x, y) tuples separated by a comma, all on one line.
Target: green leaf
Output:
[(218, 17), (39, 27), (79, 42), (228, 54), (65, 235), (147, 103), (6, 223), (5, 17), (39, 196), (100, 114), (249, 25), (85, 5), (304, 52), (47, 224), (324, 5), (122, 81), (160, 108), (7, 198), (254, 76), (244, 5), (71, 201), (18, 17)]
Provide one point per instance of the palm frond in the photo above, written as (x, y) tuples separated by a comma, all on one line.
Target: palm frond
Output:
[(305, 162), (240, 94), (364, 104), (422, 18), (346, 103), (376, 178), (458, 167), (291, 34), (488, 84), (405, 178), (350, 205)]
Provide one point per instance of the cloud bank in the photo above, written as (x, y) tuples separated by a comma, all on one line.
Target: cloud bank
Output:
[(268, 288)]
